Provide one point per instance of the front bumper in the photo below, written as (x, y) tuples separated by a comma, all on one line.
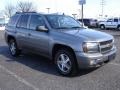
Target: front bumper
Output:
[(94, 60)]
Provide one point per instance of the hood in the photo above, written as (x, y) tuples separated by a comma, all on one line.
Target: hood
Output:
[(89, 34)]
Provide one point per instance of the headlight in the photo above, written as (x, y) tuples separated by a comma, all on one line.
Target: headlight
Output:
[(91, 47)]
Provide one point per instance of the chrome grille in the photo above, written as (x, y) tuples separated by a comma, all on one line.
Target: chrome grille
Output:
[(106, 46), (106, 42)]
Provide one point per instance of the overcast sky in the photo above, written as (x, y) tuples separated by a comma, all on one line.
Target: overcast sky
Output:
[(92, 8)]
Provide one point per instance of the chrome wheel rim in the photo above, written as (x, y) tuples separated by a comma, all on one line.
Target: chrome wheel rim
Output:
[(64, 63), (102, 27), (118, 28), (12, 48)]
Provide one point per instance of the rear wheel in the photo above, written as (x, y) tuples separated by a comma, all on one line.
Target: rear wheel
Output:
[(66, 63), (13, 48), (102, 27)]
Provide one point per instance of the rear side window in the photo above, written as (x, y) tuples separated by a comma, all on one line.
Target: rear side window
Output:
[(22, 23), (13, 20), (36, 20)]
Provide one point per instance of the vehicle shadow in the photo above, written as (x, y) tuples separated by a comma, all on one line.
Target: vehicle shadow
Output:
[(36, 62)]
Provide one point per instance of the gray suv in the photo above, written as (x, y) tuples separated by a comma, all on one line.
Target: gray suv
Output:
[(61, 39)]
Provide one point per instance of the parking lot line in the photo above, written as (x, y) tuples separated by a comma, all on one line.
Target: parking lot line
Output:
[(115, 64), (19, 78)]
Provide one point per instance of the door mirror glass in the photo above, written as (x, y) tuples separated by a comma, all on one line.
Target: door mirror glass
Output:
[(41, 28)]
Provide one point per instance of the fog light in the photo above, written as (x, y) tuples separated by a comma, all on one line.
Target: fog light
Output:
[(93, 62)]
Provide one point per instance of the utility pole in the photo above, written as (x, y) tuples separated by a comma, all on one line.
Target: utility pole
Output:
[(79, 11), (102, 3), (48, 9), (82, 2), (82, 15)]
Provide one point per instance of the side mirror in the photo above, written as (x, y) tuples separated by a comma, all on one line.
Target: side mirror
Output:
[(42, 29)]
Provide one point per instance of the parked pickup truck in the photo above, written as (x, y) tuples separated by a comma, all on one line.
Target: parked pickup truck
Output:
[(110, 23), (60, 38)]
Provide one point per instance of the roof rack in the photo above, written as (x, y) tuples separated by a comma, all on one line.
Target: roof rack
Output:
[(24, 12)]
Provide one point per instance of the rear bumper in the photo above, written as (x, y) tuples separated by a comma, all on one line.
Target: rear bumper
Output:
[(86, 61)]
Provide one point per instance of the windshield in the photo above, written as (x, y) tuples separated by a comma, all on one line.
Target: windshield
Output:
[(62, 22)]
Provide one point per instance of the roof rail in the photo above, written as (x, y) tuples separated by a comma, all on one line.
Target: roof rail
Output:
[(24, 12)]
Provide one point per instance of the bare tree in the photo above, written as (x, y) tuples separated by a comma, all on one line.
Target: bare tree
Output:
[(9, 10), (20, 7), (25, 7)]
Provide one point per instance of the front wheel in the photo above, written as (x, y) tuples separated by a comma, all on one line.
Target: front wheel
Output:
[(13, 48), (102, 27), (118, 28), (66, 63)]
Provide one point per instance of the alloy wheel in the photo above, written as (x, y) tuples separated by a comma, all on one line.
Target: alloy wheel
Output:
[(12, 47), (64, 63)]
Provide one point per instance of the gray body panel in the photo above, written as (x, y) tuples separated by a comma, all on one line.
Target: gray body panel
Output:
[(43, 42)]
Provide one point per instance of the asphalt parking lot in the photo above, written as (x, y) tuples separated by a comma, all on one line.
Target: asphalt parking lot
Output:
[(32, 72)]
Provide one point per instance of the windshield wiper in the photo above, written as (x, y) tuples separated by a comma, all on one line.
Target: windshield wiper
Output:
[(76, 27), (68, 27), (62, 28)]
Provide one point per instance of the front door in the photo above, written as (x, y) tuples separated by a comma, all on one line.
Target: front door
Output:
[(38, 41), (109, 23)]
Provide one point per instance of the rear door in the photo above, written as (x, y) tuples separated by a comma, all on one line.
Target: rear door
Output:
[(22, 31), (109, 23)]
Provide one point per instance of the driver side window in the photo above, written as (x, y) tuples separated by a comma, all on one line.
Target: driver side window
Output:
[(35, 21), (109, 20)]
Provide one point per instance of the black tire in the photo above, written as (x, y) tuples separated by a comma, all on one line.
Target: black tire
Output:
[(72, 64), (13, 48), (118, 28), (102, 27)]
